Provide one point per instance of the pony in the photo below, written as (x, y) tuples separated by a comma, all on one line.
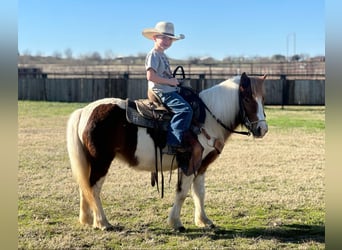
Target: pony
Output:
[(100, 131)]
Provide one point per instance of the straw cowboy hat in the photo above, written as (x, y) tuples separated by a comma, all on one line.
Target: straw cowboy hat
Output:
[(162, 28)]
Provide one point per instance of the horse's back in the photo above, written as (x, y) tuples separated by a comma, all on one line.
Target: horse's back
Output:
[(115, 101)]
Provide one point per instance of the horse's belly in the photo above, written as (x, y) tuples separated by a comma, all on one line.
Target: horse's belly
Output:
[(149, 165), (145, 154)]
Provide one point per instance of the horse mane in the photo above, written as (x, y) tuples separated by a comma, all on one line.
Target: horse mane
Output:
[(223, 99), (257, 86)]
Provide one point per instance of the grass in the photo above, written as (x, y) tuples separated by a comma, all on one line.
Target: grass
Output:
[(261, 194), (307, 118)]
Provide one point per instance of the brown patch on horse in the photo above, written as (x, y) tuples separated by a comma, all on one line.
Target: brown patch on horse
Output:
[(195, 160), (207, 161), (248, 88), (257, 85), (106, 134)]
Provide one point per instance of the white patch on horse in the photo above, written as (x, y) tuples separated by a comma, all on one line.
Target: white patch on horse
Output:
[(223, 101), (143, 151), (146, 156), (261, 118)]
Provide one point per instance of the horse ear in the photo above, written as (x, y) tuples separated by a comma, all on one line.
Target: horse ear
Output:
[(244, 81)]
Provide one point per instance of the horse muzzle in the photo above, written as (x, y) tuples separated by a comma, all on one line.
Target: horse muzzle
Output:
[(259, 129)]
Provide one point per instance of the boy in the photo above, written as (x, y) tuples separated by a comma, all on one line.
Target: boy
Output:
[(164, 85)]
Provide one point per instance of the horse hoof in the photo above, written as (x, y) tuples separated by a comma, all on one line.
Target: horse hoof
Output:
[(116, 228), (181, 229), (103, 228), (109, 227)]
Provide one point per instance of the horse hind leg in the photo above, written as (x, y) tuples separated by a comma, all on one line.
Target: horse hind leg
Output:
[(91, 185), (198, 195), (91, 210), (86, 216), (99, 218), (79, 165), (81, 169)]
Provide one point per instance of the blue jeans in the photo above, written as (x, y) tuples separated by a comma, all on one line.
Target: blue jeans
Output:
[(181, 119)]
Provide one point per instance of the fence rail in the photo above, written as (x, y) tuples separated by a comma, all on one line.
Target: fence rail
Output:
[(278, 91), (292, 69)]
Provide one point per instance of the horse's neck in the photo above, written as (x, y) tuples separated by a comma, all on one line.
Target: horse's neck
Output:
[(223, 101)]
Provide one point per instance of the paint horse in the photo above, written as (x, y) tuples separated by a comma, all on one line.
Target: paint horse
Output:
[(100, 131)]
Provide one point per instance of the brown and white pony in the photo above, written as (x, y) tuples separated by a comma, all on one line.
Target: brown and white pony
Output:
[(99, 132)]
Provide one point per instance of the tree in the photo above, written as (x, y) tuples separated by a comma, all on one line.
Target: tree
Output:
[(227, 59), (95, 56), (27, 52), (279, 57), (109, 55), (68, 53), (57, 54), (296, 58), (39, 53), (193, 60)]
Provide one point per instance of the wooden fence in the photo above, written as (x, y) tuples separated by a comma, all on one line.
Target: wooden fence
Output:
[(278, 92)]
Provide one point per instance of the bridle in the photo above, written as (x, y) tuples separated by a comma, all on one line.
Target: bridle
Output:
[(245, 119), (246, 122)]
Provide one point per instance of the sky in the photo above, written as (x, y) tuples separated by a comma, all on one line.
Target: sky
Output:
[(215, 28)]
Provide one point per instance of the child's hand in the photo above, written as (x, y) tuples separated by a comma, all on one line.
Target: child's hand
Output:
[(173, 82)]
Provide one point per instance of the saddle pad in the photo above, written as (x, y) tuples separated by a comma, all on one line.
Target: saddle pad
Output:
[(133, 116)]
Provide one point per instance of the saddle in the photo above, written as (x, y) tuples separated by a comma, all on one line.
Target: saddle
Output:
[(148, 114), (151, 113)]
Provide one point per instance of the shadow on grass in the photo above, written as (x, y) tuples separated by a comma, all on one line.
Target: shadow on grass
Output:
[(294, 233)]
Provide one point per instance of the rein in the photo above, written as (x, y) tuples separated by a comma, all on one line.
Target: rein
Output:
[(248, 133)]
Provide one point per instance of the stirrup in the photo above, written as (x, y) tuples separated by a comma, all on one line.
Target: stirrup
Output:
[(172, 150)]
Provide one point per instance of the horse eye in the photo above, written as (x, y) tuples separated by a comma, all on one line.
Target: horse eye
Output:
[(246, 99)]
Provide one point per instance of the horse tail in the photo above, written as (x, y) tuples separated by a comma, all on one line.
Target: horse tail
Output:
[(80, 165)]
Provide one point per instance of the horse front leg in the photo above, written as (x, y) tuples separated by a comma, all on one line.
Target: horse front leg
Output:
[(198, 195), (174, 216)]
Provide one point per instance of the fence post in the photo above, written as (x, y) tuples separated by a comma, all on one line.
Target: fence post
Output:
[(201, 82), (283, 83)]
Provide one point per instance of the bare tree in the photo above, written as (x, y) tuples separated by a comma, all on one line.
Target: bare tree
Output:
[(278, 57), (296, 58), (39, 53), (26, 52), (193, 60), (57, 54), (95, 56), (109, 55), (68, 53)]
